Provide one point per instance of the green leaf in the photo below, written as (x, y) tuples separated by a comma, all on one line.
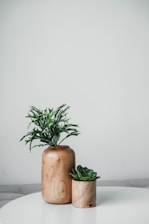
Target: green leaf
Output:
[(48, 125), (84, 174)]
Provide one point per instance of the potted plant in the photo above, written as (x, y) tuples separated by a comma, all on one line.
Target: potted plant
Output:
[(51, 127), (83, 187)]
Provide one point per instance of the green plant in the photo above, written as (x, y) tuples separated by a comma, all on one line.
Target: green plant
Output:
[(48, 126), (83, 174)]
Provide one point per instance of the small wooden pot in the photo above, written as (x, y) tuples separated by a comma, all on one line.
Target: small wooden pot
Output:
[(57, 163), (84, 194)]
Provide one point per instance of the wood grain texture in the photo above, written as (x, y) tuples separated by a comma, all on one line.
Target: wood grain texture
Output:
[(57, 163), (84, 194)]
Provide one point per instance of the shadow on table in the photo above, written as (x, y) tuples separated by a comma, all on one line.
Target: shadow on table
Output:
[(110, 196)]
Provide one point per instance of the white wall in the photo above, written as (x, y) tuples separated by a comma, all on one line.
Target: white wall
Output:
[(90, 54)]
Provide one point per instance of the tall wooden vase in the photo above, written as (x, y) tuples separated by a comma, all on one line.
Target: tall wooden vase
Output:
[(57, 162)]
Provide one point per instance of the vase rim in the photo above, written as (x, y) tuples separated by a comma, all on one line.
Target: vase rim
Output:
[(83, 181), (58, 147)]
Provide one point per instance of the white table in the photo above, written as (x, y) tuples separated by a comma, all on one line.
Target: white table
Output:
[(115, 205)]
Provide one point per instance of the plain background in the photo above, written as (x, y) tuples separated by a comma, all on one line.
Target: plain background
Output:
[(90, 54)]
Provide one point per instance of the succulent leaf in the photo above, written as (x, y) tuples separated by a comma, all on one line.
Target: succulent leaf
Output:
[(83, 174)]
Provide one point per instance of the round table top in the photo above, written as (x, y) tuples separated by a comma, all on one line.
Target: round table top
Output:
[(115, 205)]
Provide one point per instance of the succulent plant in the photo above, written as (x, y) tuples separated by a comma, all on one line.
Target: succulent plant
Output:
[(48, 125), (83, 174)]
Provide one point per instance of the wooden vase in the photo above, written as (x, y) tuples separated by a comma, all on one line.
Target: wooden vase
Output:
[(57, 162), (84, 194)]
